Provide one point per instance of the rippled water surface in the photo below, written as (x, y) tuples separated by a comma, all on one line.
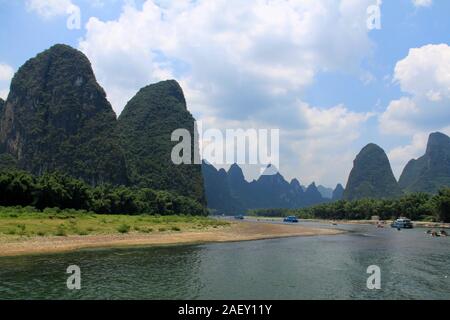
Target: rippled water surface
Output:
[(413, 266)]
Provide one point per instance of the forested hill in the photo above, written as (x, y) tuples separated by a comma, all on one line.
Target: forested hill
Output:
[(145, 127), (371, 176), (57, 119), (431, 171)]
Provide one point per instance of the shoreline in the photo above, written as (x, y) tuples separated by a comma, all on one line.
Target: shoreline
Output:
[(235, 232), (417, 224)]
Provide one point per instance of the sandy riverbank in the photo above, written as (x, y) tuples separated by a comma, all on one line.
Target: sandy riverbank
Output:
[(236, 231)]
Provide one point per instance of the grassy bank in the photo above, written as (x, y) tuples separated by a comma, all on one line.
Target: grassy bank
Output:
[(16, 222), (26, 231)]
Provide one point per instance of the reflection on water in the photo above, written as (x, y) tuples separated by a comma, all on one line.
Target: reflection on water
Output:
[(413, 265)]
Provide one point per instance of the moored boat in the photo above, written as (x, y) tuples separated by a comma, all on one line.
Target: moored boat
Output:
[(402, 223), (290, 219)]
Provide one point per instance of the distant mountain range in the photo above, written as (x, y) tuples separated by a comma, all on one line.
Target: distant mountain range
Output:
[(371, 177), (338, 193), (229, 192), (326, 192)]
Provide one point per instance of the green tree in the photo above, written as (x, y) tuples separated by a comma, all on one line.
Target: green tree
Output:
[(442, 201), (16, 188)]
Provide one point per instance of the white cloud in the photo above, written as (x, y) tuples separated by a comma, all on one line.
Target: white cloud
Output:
[(425, 72), (241, 56), (321, 149), (422, 3), (50, 8), (6, 74), (243, 64), (393, 120), (401, 155), (425, 75), (326, 146)]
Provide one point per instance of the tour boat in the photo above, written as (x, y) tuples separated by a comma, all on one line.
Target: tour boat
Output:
[(402, 223), (290, 219)]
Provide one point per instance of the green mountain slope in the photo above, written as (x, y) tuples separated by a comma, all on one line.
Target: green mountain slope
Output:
[(145, 126), (57, 118), (371, 176), (430, 172)]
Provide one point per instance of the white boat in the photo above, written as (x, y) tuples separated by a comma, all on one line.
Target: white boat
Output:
[(402, 223)]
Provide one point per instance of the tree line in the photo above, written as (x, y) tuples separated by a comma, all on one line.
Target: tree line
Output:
[(57, 190), (416, 206)]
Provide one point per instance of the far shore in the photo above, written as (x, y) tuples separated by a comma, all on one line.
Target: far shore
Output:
[(419, 224), (235, 231)]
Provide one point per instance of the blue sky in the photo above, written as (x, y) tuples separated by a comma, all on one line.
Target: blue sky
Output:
[(310, 68)]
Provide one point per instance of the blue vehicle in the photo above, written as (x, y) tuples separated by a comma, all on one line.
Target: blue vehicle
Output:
[(291, 219), (239, 217), (402, 223)]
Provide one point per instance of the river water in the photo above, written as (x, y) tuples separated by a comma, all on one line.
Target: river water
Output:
[(413, 266)]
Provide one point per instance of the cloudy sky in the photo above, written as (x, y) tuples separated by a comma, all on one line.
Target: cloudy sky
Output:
[(312, 68)]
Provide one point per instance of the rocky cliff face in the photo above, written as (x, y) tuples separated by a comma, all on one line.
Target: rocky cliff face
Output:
[(145, 126), (430, 172), (57, 118), (371, 176)]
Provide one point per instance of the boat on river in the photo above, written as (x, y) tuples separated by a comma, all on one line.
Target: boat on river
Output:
[(402, 223)]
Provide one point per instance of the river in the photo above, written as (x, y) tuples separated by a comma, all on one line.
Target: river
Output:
[(413, 266)]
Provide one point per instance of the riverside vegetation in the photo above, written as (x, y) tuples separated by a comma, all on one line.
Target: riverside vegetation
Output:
[(61, 145), (55, 204), (422, 192), (19, 222), (55, 190), (416, 206)]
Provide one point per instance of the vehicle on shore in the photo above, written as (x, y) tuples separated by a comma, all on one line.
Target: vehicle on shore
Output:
[(290, 219), (402, 223), (239, 217)]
